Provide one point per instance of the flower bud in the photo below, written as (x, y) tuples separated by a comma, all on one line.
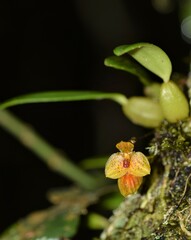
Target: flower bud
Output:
[(143, 111), (173, 102), (129, 184), (117, 165), (139, 165)]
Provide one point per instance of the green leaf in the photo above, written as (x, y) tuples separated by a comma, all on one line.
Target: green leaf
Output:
[(112, 201), (55, 222), (128, 64), (58, 222), (97, 221), (62, 96), (150, 56)]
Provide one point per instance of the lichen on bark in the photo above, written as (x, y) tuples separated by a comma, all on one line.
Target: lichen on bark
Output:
[(162, 209)]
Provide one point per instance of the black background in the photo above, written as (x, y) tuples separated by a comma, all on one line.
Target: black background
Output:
[(60, 45)]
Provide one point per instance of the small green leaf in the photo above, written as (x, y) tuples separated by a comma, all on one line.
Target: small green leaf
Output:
[(128, 64), (150, 56), (97, 221), (63, 96)]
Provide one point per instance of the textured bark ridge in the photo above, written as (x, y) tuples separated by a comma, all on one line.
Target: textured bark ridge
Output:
[(163, 209)]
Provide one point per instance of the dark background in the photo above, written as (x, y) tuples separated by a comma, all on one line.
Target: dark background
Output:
[(60, 45)]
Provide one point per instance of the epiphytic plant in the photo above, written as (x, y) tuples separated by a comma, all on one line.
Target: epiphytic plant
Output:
[(163, 211)]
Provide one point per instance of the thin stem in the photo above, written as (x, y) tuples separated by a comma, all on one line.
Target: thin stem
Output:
[(63, 96), (59, 163)]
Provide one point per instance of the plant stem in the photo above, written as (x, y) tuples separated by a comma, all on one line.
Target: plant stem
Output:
[(59, 163)]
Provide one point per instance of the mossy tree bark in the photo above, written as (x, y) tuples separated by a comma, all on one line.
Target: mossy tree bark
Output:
[(162, 210)]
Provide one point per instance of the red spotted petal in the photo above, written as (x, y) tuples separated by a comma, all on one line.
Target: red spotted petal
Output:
[(117, 165), (139, 165)]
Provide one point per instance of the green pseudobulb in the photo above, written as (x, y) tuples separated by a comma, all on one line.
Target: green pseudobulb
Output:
[(173, 102)]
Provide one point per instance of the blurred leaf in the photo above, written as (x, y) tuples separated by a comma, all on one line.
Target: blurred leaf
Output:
[(112, 201), (58, 221), (62, 96), (150, 56), (97, 221), (72, 197), (94, 162), (128, 64), (54, 223)]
